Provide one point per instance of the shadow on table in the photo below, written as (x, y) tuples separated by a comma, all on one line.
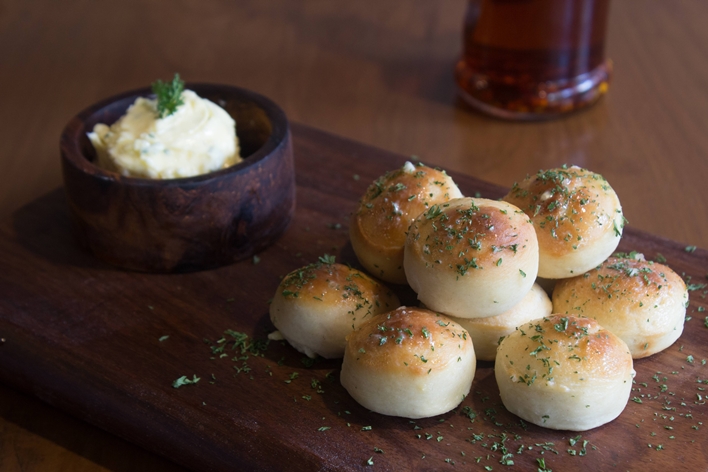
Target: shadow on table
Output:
[(43, 227)]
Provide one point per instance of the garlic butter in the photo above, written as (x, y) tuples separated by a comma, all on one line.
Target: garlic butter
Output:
[(199, 137)]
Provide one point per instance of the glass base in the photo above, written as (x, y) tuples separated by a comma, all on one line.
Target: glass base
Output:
[(541, 101)]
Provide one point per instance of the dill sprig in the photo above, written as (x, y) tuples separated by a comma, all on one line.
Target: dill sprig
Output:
[(169, 95)]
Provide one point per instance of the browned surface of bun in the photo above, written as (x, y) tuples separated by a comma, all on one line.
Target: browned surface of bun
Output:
[(378, 227), (577, 215), (409, 340), (642, 302)]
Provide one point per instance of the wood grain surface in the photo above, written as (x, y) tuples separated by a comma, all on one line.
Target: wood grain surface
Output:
[(107, 345), (376, 72)]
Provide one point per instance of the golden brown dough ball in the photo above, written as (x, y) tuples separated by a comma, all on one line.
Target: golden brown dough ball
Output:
[(315, 307), (378, 227), (471, 257), (577, 216), (642, 302), (410, 362), (485, 332), (564, 372)]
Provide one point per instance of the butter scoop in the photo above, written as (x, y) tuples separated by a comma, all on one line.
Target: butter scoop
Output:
[(198, 138)]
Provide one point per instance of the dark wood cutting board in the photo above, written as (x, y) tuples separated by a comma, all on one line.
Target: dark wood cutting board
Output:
[(106, 346)]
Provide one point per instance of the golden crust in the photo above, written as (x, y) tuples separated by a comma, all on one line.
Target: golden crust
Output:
[(316, 306), (642, 302), (408, 340), (471, 257), (378, 227), (410, 362), (577, 215), (566, 349), (564, 372)]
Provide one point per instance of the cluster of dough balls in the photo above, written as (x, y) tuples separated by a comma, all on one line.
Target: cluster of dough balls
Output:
[(473, 263), (636, 307)]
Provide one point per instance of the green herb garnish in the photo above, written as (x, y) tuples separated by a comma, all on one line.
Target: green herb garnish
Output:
[(169, 95), (327, 259), (185, 381)]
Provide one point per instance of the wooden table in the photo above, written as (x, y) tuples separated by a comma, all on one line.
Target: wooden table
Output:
[(376, 72)]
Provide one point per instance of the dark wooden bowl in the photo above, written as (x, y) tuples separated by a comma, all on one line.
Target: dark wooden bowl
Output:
[(186, 224)]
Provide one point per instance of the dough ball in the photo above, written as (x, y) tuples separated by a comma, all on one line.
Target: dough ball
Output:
[(577, 216), (315, 307), (471, 257), (564, 372), (485, 332), (410, 362), (642, 302), (378, 227)]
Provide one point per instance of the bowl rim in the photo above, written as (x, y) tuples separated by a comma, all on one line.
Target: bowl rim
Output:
[(72, 153)]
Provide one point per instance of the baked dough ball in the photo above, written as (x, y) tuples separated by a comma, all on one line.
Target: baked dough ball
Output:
[(471, 257), (378, 227), (315, 307), (564, 372), (577, 216), (485, 332), (644, 303), (410, 362)]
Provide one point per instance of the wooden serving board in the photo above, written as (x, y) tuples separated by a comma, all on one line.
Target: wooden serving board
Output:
[(86, 338)]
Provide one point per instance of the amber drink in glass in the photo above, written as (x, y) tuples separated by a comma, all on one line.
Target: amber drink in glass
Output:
[(534, 59)]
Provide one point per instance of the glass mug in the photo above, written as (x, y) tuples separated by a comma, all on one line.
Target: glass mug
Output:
[(533, 59)]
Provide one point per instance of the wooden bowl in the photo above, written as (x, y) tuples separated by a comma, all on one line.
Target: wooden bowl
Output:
[(185, 224)]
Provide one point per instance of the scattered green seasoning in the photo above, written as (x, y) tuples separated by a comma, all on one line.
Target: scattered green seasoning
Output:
[(169, 96), (184, 380), (292, 377)]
